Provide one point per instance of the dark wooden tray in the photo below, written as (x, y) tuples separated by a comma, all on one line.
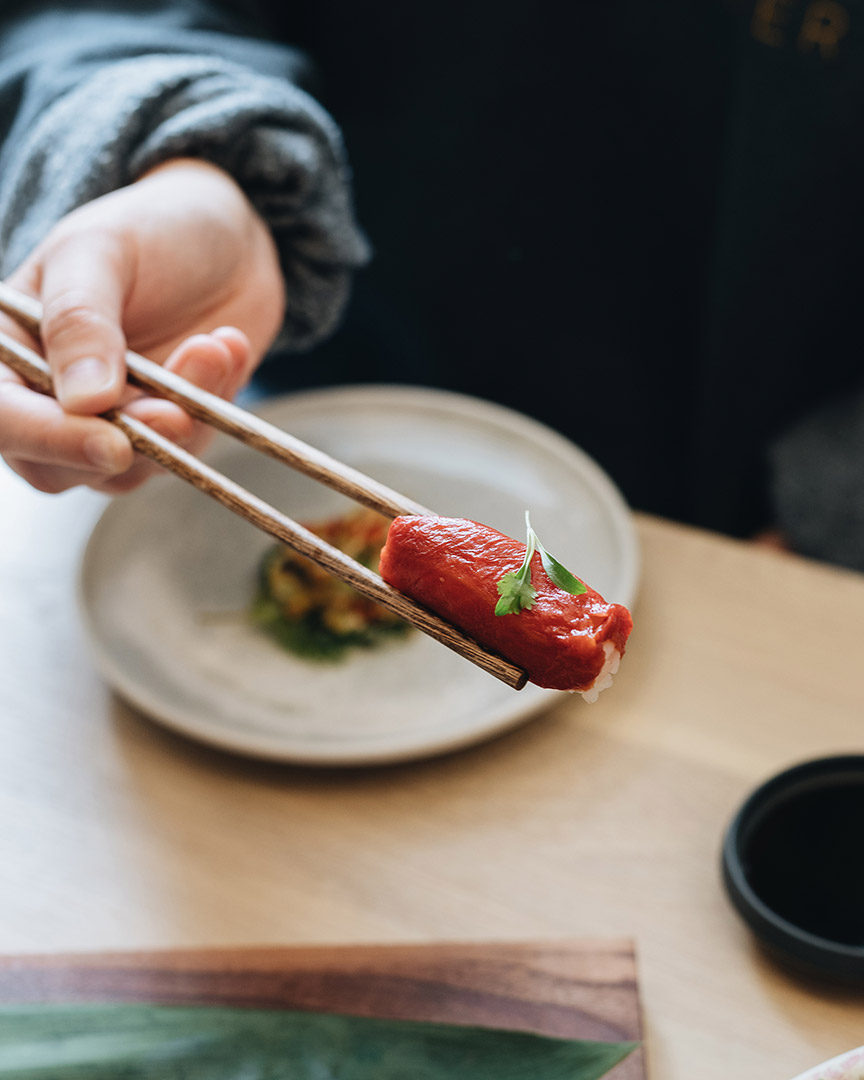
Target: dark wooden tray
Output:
[(576, 989)]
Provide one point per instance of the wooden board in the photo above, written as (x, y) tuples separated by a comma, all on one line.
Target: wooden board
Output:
[(575, 989)]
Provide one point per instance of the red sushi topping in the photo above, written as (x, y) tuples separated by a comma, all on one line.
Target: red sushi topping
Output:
[(452, 566)]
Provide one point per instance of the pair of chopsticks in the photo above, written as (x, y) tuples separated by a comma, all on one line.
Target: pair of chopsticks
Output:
[(260, 435)]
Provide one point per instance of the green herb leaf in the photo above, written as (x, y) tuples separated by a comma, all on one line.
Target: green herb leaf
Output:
[(163, 1042), (515, 589), (516, 594), (559, 575)]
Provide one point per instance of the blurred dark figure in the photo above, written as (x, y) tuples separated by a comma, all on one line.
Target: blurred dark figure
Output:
[(638, 223)]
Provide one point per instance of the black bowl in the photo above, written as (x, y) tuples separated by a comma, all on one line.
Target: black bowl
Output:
[(793, 865)]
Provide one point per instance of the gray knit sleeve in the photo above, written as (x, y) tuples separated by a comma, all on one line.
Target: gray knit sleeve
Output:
[(127, 115), (817, 476)]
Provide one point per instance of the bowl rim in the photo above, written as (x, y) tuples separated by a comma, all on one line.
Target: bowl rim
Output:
[(819, 955)]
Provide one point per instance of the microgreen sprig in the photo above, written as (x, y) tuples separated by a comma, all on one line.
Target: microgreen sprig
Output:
[(515, 591)]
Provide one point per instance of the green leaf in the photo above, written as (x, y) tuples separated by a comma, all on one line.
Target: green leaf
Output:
[(559, 575), (159, 1042), (516, 593), (514, 588)]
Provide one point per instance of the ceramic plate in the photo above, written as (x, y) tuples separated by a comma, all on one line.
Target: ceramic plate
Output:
[(168, 575)]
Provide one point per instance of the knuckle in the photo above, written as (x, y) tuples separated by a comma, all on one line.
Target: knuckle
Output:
[(68, 317)]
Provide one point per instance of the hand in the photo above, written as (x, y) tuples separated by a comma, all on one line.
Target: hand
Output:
[(153, 267)]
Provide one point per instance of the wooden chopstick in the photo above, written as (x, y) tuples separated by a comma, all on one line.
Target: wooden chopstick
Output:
[(223, 415), (34, 370)]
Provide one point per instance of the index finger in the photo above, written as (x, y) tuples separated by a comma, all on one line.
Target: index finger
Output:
[(83, 290)]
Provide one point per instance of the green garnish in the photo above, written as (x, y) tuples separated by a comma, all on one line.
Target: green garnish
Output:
[(304, 610), (515, 590)]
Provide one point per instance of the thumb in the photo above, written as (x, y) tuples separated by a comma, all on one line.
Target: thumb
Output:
[(83, 287)]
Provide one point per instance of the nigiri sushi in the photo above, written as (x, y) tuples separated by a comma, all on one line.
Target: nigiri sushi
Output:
[(455, 567)]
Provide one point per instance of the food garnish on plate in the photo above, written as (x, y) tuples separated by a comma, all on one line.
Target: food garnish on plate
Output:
[(315, 614)]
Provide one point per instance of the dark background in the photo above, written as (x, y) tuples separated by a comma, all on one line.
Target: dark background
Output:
[(638, 223)]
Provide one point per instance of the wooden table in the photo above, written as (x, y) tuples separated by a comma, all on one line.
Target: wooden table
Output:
[(592, 821)]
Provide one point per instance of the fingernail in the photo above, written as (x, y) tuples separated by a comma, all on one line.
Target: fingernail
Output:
[(109, 453), (85, 378)]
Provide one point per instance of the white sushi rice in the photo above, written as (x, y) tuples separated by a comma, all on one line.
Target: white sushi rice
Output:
[(604, 676)]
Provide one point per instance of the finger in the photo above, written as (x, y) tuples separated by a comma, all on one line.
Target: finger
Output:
[(134, 478), (83, 288), (201, 359), (183, 432), (212, 364), (169, 420), (7, 375), (243, 361), (204, 360), (23, 281), (51, 479), (163, 416), (35, 428), (166, 419)]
